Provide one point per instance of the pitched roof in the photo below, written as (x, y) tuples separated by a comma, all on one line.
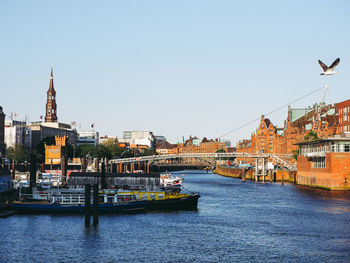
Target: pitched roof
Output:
[(164, 145)]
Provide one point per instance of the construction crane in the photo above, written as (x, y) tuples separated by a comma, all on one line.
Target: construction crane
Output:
[(319, 109)]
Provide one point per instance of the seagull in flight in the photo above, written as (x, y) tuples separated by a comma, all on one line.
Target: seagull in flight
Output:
[(329, 70)]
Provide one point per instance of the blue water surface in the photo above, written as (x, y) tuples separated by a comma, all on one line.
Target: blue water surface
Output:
[(235, 222)]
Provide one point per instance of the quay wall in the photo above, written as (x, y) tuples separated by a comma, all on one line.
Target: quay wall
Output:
[(272, 175), (335, 176)]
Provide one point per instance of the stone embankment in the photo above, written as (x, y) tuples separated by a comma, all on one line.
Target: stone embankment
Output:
[(244, 174)]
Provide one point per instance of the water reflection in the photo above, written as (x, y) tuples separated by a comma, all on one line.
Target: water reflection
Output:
[(324, 194)]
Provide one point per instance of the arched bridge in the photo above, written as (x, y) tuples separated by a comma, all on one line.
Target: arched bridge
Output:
[(210, 158)]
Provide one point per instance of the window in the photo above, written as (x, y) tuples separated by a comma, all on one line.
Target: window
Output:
[(319, 162)]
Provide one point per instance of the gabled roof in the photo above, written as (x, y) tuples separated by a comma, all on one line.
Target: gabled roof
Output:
[(164, 145)]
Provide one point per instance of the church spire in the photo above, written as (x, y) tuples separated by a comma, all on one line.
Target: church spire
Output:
[(51, 105)]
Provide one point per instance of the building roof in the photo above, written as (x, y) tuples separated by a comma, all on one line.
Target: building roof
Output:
[(164, 145), (329, 139)]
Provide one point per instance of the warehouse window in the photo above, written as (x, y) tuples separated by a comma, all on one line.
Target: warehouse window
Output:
[(319, 162)]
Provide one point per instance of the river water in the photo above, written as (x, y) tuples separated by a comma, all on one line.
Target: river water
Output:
[(235, 222)]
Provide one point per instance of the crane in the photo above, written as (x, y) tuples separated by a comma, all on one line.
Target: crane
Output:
[(319, 109)]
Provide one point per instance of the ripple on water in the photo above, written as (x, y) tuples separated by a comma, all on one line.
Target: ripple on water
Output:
[(245, 222)]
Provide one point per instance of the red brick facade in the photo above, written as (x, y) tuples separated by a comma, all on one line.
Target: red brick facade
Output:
[(320, 119), (343, 109)]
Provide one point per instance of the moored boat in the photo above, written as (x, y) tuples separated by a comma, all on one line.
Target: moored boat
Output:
[(168, 182), (165, 200), (75, 203)]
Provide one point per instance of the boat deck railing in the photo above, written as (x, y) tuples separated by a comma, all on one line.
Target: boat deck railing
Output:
[(71, 198)]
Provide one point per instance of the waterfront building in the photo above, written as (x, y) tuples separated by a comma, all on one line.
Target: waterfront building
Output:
[(165, 147), (204, 146), (343, 110), (2, 133), (139, 137), (88, 137), (320, 119), (325, 163)]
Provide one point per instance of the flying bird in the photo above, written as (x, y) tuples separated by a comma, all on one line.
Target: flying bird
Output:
[(329, 70)]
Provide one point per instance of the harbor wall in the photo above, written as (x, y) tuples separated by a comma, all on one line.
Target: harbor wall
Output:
[(272, 175), (335, 176)]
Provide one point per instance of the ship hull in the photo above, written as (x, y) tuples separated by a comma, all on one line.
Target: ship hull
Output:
[(183, 203), (45, 207)]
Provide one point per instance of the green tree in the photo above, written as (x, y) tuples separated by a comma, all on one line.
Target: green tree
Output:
[(148, 152), (85, 150), (295, 153), (311, 136), (18, 153), (220, 151), (102, 151), (113, 147)]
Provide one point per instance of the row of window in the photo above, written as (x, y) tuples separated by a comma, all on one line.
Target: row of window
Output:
[(319, 162)]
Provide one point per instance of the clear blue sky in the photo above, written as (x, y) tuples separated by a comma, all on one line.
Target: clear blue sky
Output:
[(173, 67)]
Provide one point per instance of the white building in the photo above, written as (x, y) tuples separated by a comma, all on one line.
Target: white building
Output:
[(139, 137), (16, 132), (88, 137)]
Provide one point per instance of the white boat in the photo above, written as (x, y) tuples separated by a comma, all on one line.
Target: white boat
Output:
[(167, 181)]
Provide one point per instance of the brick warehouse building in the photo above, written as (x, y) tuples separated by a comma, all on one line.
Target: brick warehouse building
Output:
[(324, 120), (195, 145), (343, 109)]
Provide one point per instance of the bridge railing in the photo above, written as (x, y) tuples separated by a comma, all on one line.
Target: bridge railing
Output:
[(277, 157)]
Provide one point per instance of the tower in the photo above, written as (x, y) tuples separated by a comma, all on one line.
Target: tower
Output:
[(51, 106)]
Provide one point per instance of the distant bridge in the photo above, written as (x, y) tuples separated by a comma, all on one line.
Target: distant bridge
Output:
[(210, 158)]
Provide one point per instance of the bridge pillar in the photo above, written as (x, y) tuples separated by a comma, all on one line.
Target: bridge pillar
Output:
[(256, 169), (263, 169), (132, 168), (243, 175)]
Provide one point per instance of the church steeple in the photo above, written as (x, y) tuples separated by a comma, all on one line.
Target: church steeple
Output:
[(51, 106)]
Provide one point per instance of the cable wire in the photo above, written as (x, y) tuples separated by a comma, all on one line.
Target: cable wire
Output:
[(279, 108)]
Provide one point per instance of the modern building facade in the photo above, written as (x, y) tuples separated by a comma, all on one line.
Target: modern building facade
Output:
[(88, 137), (139, 138)]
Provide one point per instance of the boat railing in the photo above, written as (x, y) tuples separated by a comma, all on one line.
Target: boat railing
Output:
[(78, 198)]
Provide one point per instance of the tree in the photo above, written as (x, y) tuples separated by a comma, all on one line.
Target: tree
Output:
[(295, 153), (220, 151), (148, 152), (85, 150), (103, 152), (113, 147), (311, 136), (17, 153)]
